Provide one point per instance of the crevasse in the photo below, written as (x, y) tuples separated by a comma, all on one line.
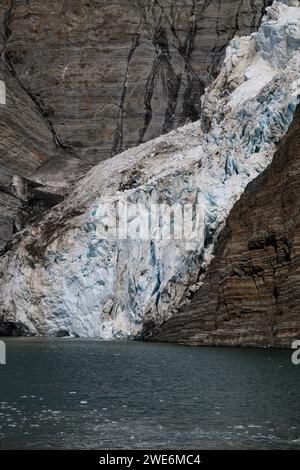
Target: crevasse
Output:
[(85, 285)]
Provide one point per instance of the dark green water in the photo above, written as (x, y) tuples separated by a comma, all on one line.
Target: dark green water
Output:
[(91, 394)]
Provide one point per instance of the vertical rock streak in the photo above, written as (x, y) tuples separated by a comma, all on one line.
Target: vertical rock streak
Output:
[(117, 146), (9, 64), (62, 276)]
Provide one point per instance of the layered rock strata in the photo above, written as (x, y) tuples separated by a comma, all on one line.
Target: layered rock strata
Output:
[(87, 79), (65, 276), (108, 75), (251, 292)]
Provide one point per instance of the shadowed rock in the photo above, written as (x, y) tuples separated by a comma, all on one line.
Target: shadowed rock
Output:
[(251, 293)]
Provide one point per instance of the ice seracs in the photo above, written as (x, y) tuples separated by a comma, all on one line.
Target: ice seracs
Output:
[(63, 278)]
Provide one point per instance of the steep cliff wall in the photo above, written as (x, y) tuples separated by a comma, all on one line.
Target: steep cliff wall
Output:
[(87, 79), (65, 275), (109, 74), (251, 293)]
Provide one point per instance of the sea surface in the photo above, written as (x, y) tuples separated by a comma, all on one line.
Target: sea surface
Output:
[(89, 394)]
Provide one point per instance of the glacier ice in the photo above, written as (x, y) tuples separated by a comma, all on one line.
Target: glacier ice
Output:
[(62, 277)]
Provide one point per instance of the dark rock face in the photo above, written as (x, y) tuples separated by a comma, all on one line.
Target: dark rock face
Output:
[(12, 329), (251, 293), (87, 79), (25, 144), (107, 75)]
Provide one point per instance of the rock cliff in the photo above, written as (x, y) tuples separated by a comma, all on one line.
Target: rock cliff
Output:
[(251, 293), (72, 273), (108, 75), (87, 79)]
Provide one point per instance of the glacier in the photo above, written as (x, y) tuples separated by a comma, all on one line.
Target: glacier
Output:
[(64, 276)]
